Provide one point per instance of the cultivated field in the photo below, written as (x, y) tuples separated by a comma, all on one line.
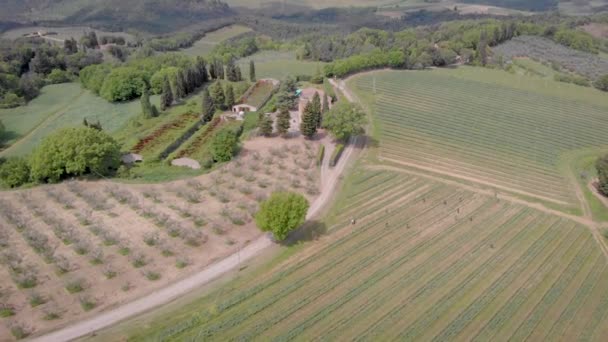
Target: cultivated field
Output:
[(59, 106), (206, 44), (424, 261), (71, 250), (484, 126), (279, 65)]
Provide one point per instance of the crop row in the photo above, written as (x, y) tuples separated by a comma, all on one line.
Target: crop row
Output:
[(163, 135), (198, 140)]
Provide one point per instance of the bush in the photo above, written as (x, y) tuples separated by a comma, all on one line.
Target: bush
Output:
[(14, 172), (344, 120), (223, 145), (75, 286), (93, 77), (58, 76), (74, 152), (282, 213), (602, 83), (602, 171), (123, 84), (335, 156), (320, 155)]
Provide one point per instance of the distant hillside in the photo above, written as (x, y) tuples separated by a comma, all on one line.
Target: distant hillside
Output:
[(524, 5), (149, 15)]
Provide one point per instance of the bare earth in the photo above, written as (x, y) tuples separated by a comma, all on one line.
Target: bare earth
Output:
[(191, 224)]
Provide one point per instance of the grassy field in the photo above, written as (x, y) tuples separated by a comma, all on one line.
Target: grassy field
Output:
[(278, 65), (60, 106), (425, 261), (502, 130), (206, 44)]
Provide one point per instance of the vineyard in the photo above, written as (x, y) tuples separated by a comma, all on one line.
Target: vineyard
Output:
[(424, 261), (195, 147), (66, 252), (506, 135), (164, 135)]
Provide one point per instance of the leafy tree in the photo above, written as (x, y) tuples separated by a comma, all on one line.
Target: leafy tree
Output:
[(251, 71), (316, 108), (223, 145), (93, 76), (281, 213), (344, 120), (229, 92), (147, 109), (283, 122), (70, 46), (208, 106), (166, 97), (239, 75), (123, 84), (308, 126), (158, 79), (217, 94), (74, 152), (14, 172), (602, 171), (58, 76), (265, 124), (602, 83)]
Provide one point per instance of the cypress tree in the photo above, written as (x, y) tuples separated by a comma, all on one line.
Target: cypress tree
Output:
[(219, 69), (146, 106), (316, 108), (192, 80), (325, 106), (308, 126), (266, 125), (229, 92), (231, 71), (251, 71), (239, 76), (180, 85), (212, 71), (217, 94), (208, 106), (201, 65), (482, 47), (166, 97), (283, 122)]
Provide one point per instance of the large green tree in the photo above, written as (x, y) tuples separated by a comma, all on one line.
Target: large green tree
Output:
[(316, 108), (344, 120), (123, 84), (283, 122), (74, 152), (208, 106), (286, 96), (308, 126), (14, 172), (281, 213), (265, 125)]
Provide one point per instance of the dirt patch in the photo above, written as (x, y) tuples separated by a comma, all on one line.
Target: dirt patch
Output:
[(597, 30), (114, 240)]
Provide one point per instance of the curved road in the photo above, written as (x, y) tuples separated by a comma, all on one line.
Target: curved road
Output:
[(329, 180)]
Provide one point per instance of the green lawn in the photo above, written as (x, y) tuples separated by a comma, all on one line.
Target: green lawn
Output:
[(59, 106), (206, 44), (502, 130), (278, 65)]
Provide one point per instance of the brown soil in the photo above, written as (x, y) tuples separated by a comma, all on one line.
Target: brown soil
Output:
[(597, 30), (226, 196)]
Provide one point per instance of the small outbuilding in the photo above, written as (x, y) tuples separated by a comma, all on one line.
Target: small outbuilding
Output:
[(244, 108)]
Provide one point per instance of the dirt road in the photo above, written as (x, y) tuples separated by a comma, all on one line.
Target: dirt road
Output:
[(329, 180)]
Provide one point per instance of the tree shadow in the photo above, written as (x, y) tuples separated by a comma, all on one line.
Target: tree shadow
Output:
[(309, 231)]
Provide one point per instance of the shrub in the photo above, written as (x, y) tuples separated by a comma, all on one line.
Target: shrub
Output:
[(151, 238), (74, 152), (182, 262), (14, 172), (19, 331), (109, 272), (58, 76), (335, 156), (152, 275), (36, 299), (28, 279), (51, 313), (97, 256), (139, 260), (6, 311), (223, 145), (87, 303), (281, 213)]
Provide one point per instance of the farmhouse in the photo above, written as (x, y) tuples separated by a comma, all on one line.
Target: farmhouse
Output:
[(244, 108)]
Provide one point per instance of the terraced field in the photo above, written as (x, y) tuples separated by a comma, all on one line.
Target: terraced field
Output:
[(424, 261), (509, 134)]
